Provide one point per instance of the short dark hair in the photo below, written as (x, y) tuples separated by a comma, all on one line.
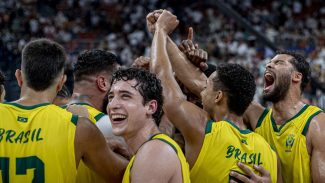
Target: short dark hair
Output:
[(149, 86), (42, 62), (64, 92), (238, 83), (2, 81), (300, 64), (94, 61)]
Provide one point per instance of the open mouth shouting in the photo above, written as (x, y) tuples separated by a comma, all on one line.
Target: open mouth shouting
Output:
[(269, 80)]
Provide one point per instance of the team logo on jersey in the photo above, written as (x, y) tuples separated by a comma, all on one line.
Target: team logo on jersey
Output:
[(289, 142), (244, 141), (22, 119)]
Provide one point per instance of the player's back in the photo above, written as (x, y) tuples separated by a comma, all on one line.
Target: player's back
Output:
[(37, 143), (224, 145)]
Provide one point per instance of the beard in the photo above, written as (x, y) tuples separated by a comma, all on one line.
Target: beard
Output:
[(280, 90)]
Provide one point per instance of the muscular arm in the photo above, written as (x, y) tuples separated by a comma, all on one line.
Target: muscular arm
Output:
[(317, 136), (188, 118), (90, 146), (191, 76)]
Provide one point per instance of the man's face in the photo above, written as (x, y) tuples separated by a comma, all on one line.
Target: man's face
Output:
[(125, 108), (277, 78), (208, 95)]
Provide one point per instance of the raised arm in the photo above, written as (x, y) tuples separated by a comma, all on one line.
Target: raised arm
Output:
[(316, 135), (190, 75), (187, 117), (90, 146)]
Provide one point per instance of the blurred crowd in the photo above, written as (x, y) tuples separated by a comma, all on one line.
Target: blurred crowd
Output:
[(120, 26)]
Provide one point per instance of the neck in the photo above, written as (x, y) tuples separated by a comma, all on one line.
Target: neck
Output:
[(135, 141), (286, 108), (237, 120), (31, 97), (88, 94), (223, 114)]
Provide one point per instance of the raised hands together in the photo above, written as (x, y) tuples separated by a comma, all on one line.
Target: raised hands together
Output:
[(192, 51)]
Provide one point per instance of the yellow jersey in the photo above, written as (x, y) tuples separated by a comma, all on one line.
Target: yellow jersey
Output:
[(178, 150), (37, 143), (289, 141), (85, 174), (224, 145)]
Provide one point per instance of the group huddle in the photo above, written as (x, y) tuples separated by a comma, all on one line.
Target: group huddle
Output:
[(168, 118)]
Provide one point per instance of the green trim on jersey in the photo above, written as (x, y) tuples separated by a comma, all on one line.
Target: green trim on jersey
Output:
[(246, 131), (305, 130), (98, 116), (276, 129), (26, 107), (74, 119), (261, 118), (208, 126)]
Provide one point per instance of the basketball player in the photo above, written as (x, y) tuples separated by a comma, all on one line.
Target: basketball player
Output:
[(135, 109), (41, 142), (294, 129), (92, 74), (215, 137)]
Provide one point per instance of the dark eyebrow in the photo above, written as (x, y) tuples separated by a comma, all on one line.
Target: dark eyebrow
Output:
[(279, 60), (122, 92), (125, 92)]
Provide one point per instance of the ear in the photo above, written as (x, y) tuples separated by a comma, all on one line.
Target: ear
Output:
[(102, 83), (151, 107), (297, 77), (219, 96), (19, 77), (61, 82)]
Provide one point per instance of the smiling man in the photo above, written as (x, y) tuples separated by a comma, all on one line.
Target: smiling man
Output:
[(294, 129), (135, 110)]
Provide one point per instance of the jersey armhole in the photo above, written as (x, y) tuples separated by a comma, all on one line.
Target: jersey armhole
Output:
[(261, 118), (305, 130)]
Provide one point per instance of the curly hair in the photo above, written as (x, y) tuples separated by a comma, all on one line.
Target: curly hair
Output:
[(42, 62), (94, 61), (148, 85), (300, 64), (238, 83)]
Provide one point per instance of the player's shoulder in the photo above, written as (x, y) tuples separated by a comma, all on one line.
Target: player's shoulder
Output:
[(317, 121), (157, 149), (156, 152)]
